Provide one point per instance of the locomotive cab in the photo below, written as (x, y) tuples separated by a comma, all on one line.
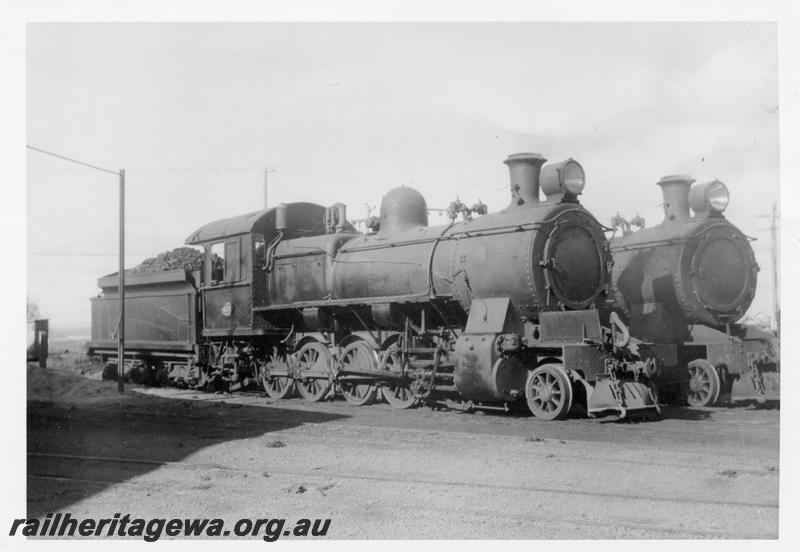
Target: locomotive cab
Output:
[(237, 251)]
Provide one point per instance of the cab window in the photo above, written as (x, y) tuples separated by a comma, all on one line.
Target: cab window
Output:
[(259, 250), (232, 261), (217, 262)]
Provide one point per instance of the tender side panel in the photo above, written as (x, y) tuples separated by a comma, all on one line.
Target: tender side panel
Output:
[(159, 316)]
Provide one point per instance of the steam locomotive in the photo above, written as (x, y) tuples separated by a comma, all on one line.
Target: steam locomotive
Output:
[(682, 285), (492, 311)]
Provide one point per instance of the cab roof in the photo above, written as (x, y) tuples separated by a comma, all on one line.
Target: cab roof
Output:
[(304, 219)]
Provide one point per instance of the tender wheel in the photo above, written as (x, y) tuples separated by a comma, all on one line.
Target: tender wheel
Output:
[(549, 392), (276, 378), (110, 371), (358, 356), (313, 371), (396, 392), (704, 384)]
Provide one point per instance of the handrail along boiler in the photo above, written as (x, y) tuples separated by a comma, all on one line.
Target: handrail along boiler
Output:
[(485, 312)]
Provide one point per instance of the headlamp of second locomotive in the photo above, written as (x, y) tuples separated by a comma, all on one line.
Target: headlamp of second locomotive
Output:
[(566, 177), (710, 196)]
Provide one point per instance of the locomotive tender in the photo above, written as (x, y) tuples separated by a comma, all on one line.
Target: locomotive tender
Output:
[(682, 285), (482, 313)]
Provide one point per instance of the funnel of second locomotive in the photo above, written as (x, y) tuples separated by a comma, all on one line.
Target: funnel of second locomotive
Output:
[(675, 189)]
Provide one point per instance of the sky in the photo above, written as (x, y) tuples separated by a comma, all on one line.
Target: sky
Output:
[(194, 112)]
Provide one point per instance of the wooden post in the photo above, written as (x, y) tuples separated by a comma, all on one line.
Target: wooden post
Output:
[(40, 330), (121, 289)]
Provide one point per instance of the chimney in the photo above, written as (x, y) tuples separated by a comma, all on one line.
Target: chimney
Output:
[(675, 189), (524, 170)]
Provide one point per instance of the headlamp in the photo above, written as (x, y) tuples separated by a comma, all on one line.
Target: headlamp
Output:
[(566, 176), (710, 196)]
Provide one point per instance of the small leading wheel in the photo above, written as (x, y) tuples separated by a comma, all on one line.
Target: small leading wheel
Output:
[(359, 357), (313, 371), (549, 392), (704, 384), (276, 378), (397, 392)]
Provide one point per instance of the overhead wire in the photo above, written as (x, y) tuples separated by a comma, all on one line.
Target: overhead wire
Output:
[(68, 254), (70, 159)]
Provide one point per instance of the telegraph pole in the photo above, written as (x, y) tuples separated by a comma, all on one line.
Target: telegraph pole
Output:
[(121, 330), (773, 234), (121, 290), (267, 170), (776, 309)]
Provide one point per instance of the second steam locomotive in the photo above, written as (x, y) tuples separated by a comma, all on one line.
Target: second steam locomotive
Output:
[(682, 286), (486, 312)]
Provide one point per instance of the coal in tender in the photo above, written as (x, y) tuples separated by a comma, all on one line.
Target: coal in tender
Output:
[(185, 258)]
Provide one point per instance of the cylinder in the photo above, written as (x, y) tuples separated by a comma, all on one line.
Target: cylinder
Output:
[(524, 171)]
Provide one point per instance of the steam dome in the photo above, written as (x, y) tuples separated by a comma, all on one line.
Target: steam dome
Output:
[(403, 209)]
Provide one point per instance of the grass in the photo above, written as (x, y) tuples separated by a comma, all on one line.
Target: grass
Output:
[(70, 355)]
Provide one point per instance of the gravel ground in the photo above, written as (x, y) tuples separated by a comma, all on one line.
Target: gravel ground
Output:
[(379, 473)]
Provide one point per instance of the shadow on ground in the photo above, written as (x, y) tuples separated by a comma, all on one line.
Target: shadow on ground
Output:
[(687, 413), (128, 435)]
